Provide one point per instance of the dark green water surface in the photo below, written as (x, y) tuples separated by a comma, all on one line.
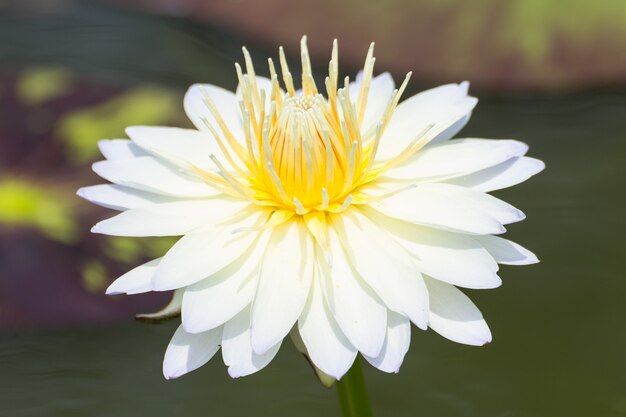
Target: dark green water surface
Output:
[(559, 327)]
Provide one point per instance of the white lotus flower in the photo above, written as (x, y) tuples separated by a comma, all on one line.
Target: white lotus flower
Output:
[(345, 217)]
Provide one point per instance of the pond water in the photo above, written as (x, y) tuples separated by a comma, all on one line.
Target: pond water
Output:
[(558, 326)]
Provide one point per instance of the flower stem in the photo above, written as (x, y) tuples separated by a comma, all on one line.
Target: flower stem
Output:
[(352, 392)]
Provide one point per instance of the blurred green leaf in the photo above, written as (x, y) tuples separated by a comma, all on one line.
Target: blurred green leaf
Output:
[(94, 276), (24, 203), (533, 25), (38, 85)]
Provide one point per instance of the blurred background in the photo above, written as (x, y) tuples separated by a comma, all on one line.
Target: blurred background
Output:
[(550, 73)]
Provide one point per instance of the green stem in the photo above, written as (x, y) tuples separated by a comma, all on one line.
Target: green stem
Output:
[(353, 393)]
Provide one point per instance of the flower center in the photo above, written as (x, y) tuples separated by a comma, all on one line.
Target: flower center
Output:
[(301, 152), (301, 103), (305, 161)]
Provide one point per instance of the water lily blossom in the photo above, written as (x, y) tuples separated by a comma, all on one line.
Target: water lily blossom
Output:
[(336, 213)]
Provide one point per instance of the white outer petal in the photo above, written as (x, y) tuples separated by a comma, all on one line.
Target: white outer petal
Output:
[(118, 197), (448, 207), (384, 264), (326, 345), (454, 316), (507, 252), (148, 174), (396, 344), (451, 257), (284, 283), (205, 251), (218, 298), (226, 103), (456, 158), (383, 187), (506, 174), (135, 281), (359, 312), (449, 132), (237, 350), (442, 110), (500, 210), (178, 146), (170, 219), (187, 352), (119, 149)]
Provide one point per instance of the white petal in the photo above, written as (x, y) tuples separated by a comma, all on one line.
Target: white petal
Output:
[(135, 281), (384, 264), (436, 112), (506, 174), (380, 90), (453, 129), (148, 174), (359, 312), (237, 350), (118, 197), (187, 352), (381, 188), (226, 103), (454, 316), (119, 149), (450, 207), (396, 344), (284, 283), (205, 251), (170, 219), (500, 210), (451, 257), (456, 158), (216, 299), (326, 345), (178, 146), (507, 252)]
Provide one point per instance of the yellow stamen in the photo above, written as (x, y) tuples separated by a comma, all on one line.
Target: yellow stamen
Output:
[(288, 79), (303, 153), (368, 70)]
